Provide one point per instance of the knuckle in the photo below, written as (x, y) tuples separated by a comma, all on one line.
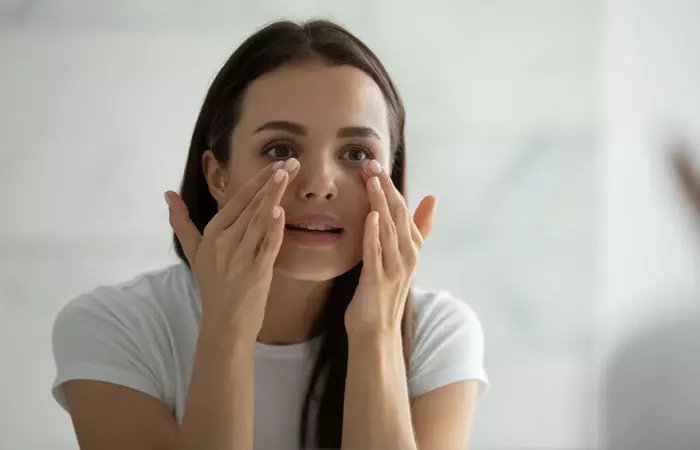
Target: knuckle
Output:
[(220, 245), (412, 257), (418, 241), (208, 230), (400, 210)]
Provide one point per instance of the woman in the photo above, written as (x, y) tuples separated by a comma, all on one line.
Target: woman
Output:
[(290, 321)]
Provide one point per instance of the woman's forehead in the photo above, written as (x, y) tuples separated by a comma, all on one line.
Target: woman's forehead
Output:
[(316, 95)]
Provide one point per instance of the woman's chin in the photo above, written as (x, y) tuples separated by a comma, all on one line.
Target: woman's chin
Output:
[(312, 270)]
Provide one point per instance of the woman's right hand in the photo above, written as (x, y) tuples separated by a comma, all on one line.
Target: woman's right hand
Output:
[(232, 261)]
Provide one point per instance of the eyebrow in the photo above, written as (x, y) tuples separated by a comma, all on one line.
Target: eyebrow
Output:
[(301, 130)]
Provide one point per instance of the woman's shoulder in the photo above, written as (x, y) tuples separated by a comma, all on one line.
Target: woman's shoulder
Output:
[(151, 294), (122, 333), (432, 308), (448, 342)]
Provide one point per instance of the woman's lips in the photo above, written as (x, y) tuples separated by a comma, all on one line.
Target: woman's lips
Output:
[(313, 239)]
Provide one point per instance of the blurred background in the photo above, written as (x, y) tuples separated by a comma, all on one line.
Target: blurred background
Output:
[(539, 125)]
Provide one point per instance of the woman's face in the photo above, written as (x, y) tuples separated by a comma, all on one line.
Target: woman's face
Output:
[(334, 120)]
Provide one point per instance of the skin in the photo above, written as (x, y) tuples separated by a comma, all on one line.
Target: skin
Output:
[(331, 178), (336, 176)]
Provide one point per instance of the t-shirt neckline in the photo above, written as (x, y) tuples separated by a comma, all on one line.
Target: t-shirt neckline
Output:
[(301, 349)]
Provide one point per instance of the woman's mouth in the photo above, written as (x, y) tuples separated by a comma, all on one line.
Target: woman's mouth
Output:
[(313, 236), (314, 228)]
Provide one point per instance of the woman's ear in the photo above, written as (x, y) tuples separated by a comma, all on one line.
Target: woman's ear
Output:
[(216, 176)]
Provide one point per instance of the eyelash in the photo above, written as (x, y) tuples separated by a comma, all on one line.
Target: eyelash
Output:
[(369, 154)]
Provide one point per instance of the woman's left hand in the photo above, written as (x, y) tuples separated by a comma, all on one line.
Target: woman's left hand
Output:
[(391, 245)]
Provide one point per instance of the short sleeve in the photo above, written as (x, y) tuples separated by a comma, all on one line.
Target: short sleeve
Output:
[(448, 344), (106, 338)]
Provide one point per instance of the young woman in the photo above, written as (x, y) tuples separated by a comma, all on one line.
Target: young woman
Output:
[(291, 321)]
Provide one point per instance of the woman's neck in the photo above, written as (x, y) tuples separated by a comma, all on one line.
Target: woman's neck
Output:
[(292, 308)]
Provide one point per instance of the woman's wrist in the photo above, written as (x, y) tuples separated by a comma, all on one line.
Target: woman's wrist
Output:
[(217, 335), (377, 339)]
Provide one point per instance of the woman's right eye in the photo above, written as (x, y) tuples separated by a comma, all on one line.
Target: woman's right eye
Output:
[(278, 151)]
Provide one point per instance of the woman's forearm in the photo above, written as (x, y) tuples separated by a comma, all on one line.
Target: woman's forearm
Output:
[(377, 412), (220, 399)]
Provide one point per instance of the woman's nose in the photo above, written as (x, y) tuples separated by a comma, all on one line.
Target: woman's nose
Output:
[(317, 180)]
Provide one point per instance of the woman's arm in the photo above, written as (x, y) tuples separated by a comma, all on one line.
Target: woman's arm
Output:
[(220, 400), (218, 415), (442, 418), (377, 411), (378, 414)]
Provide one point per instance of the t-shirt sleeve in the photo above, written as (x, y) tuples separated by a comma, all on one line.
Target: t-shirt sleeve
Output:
[(448, 344), (105, 337)]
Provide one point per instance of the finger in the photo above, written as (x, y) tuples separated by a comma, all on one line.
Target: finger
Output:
[(235, 233), (387, 230), (371, 247), (238, 202), (231, 237), (272, 241), (255, 231), (423, 219), (398, 211), (183, 227)]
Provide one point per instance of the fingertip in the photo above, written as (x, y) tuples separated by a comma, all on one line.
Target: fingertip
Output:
[(291, 165), (434, 201)]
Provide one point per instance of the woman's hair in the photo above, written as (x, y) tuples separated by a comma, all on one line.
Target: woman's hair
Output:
[(273, 46)]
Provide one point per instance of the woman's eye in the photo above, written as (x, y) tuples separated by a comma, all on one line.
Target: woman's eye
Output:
[(357, 154), (278, 151)]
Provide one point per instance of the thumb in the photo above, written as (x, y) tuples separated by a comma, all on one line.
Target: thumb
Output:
[(423, 217), (186, 231)]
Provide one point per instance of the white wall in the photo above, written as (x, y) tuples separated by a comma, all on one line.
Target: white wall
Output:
[(97, 102), (648, 311)]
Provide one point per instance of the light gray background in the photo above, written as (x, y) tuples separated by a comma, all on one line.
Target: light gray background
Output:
[(523, 117)]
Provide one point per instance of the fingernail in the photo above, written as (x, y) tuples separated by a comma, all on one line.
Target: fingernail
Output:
[(276, 211), (278, 165), (167, 200), (279, 175), (375, 218), (291, 164), (374, 182), (375, 167)]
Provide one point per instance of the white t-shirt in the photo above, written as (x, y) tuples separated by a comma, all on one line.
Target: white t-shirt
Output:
[(142, 334)]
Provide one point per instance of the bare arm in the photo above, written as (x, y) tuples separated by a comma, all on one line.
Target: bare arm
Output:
[(232, 263), (218, 415), (442, 418), (219, 411), (377, 412), (107, 416)]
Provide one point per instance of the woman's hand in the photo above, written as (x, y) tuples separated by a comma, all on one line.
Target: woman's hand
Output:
[(391, 246), (232, 261)]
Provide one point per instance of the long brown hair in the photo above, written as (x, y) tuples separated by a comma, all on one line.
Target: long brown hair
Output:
[(275, 45)]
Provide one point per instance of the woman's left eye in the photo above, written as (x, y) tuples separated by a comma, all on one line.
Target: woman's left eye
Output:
[(357, 154)]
